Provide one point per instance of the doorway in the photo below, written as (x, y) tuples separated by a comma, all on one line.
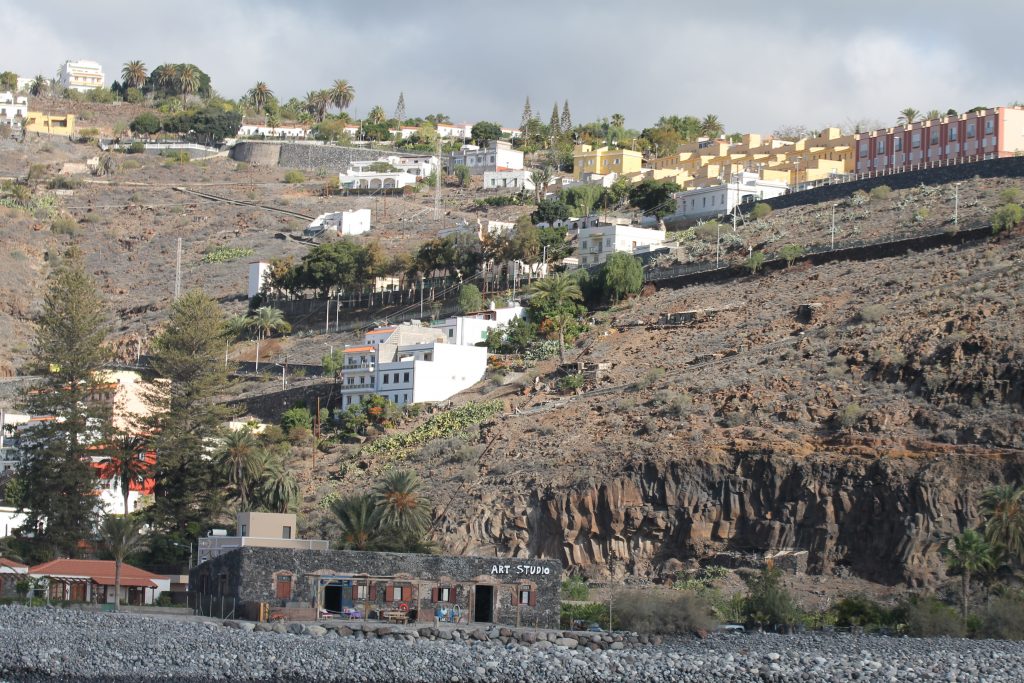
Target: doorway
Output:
[(483, 604), (338, 596)]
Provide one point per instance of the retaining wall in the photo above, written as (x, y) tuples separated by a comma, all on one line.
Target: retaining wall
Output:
[(306, 156)]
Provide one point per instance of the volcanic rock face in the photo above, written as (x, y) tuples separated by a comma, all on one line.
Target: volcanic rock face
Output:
[(885, 519)]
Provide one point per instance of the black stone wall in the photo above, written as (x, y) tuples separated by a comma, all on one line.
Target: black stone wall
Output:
[(250, 574), (308, 156)]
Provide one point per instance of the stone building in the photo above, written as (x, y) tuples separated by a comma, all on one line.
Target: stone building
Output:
[(400, 587)]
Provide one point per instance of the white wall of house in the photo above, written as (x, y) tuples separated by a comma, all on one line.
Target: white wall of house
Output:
[(13, 108), (273, 131), (453, 369), (509, 180), (82, 75), (465, 331), (354, 222), (257, 274), (597, 242), (10, 519), (498, 155), (745, 188), (369, 180)]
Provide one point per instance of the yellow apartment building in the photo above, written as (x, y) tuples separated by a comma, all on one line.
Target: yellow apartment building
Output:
[(603, 161)]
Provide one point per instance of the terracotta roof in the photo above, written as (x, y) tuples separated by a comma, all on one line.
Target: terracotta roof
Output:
[(99, 571), (4, 562), (383, 330), (355, 349)]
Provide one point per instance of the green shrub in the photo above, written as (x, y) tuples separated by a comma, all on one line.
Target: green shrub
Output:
[(791, 252), (928, 618), (293, 177), (1011, 195), (1006, 217), (849, 415), (880, 192), (871, 313), (575, 588), (650, 378), (36, 172), (570, 383), (89, 134), (858, 610), (178, 156), (760, 210), (768, 603), (581, 616), (463, 175), (63, 182), (651, 611), (137, 147), (296, 417), (754, 262), (676, 404), (64, 225), (225, 254), (1002, 618)]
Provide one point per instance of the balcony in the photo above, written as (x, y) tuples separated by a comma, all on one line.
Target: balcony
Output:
[(358, 367)]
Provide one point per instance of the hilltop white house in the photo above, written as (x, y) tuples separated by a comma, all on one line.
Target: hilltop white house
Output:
[(354, 222), (82, 75), (596, 242)]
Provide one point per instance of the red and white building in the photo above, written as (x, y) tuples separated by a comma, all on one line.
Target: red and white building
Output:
[(93, 581), (986, 134), (11, 573)]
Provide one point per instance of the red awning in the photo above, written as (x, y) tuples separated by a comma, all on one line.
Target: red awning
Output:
[(134, 583)]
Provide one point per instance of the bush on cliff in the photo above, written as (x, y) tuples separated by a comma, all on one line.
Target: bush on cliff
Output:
[(928, 618), (768, 603), (676, 612)]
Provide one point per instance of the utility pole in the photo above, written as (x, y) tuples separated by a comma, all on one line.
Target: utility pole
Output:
[(437, 184), (833, 227), (718, 240), (422, 284), (177, 273), (956, 203), (327, 321)]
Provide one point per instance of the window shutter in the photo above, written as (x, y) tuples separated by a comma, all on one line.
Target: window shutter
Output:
[(433, 594), (373, 592), (389, 593), (515, 595), (533, 596)]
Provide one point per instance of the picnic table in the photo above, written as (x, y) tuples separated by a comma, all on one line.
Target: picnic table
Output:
[(396, 616)]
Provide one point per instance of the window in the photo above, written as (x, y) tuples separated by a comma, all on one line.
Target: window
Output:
[(243, 531), (386, 378), (880, 146), (348, 400), (443, 594), (990, 126), (863, 148), (451, 333), (971, 129), (362, 380), (608, 241), (350, 380), (395, 379), (359, 592), (952, 133), (524, 595), (897, 144), (915, 139), (405, 377), (286, 532), (933, 139), (583, 244), (405, 398)]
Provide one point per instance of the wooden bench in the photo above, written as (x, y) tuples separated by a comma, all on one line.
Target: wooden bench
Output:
[(396, 616)]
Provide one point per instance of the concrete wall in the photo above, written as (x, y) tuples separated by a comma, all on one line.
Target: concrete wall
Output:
[(307, 156), (250, 574)]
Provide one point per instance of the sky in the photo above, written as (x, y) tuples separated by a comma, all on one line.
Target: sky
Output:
[(757, 65)]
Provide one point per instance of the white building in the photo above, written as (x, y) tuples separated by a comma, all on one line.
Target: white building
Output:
[(497, 156), (374, 180), (597, 242), (354, 222), (257, 276), (743, 188), (13, 109), (480, 228), (420, 166), (81, 74), (519, 180), (249, 130), (471, 329), (10, 519), (409, 364), (455, 130), (259, 530), (24, 84)]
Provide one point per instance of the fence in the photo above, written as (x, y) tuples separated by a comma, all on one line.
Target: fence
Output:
[(218, 606)]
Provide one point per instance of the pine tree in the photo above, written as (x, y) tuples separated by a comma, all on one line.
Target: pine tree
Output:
[(188, 355), (555, 124), (527, 117), (69, 352), (566, 118), (400, 108)]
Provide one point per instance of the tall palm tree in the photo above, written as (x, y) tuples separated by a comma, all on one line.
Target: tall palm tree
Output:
[(1003, 507), (359, 521), (187, 81), (163, 77), (259, 95), (126, 462), (265, 321), (133, 74), (122, 536), (402, 507), (932, 114), (278, 491), (342, 94), (317, 102), (908, 116), (39, 86), (618, 120), (970, 554), (238, 460), (377, 115), (711, 126), (557, 294)]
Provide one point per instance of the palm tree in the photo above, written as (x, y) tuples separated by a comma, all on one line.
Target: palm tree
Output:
[(618, 120), (133, 74), (187, 80), (278, 491), (1003, 507), (122, 536), (359, 521), (402, 508), (932, 114), (557, 294), (127, 462), (377, 115), (970, 554), (711, 127), (238, 460), (163, 77), (317, 102), (908, 116), (39, 86), (341, 94), (265, 321), (259, 95)]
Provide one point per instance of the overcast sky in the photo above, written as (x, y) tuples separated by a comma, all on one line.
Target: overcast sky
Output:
[(758, 65)]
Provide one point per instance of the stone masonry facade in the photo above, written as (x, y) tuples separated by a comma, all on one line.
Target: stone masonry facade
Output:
[(307, 156), (482, 589)]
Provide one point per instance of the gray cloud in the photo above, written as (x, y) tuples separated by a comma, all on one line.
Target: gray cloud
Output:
[(757, 65)]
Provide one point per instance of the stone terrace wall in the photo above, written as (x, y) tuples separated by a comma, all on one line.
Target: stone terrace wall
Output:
[(1009, 167), (308, 156)]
